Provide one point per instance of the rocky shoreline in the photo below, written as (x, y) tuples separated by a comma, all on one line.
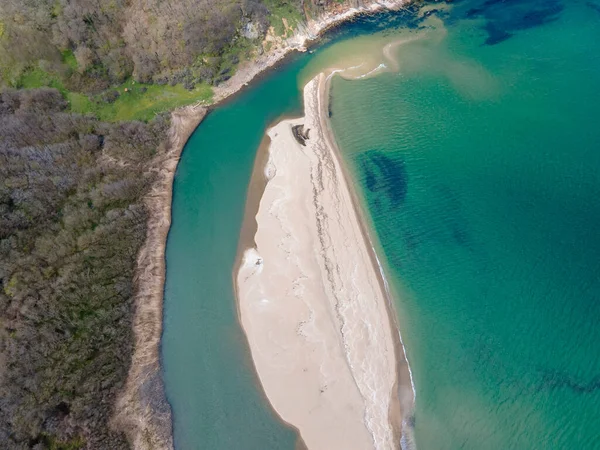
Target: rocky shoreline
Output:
[(306, 35), (142, 410)]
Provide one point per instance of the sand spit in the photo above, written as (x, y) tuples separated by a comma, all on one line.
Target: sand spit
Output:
[(311, 300), (142, 410)]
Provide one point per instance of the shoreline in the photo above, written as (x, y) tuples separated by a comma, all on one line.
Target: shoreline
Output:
[(406, 400), (399, 407), (142, 410), (307, 35)]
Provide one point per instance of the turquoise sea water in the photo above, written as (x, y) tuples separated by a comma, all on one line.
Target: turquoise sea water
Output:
[(478, 164)]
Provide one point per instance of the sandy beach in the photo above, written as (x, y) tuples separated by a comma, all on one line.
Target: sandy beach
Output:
[(312, 301)]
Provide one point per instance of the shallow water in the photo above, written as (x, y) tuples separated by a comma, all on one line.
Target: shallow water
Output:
[(479, 165)]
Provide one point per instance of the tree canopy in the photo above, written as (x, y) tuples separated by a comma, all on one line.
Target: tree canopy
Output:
[(71, 224)]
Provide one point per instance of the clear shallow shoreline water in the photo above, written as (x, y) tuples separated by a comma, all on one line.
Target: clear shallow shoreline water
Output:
[(478, 163)]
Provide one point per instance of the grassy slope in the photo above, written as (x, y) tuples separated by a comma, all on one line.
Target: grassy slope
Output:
[(133, 104), (283, 10)]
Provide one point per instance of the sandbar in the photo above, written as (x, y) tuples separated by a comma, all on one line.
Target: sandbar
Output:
[(311, 297)]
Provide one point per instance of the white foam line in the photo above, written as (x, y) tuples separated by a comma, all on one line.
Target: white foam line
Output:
[(355, 67), (387, 291), (334, 71), (376, 69)]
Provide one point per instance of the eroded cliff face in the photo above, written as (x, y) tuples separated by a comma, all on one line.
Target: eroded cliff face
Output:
[(321, 14), (318, 7)]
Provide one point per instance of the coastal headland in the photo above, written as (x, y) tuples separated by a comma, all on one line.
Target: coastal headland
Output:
[(312, 299)]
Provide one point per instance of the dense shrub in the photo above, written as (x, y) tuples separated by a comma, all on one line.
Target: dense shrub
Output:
[(71, 224), (110, 40)]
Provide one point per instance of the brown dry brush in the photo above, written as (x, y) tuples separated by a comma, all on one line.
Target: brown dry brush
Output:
[(72, 221)]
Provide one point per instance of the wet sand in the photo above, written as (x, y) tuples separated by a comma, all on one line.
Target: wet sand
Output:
[(312, 300)]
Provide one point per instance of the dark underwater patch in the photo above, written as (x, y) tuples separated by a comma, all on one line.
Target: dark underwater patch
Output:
[(495, 34), (561, 380), (406, 17), (593, 6), (385, 176), (369, 175), (504, 18)]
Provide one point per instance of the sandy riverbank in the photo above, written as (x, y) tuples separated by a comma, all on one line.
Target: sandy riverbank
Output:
[(312, 301), (142, 410)]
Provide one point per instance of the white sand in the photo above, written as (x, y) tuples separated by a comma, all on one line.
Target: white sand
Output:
[(311, 301)]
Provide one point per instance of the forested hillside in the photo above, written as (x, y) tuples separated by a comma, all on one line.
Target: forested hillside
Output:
[(93, 43), (94, 51)]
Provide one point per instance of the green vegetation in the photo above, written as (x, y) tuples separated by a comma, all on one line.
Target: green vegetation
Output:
[(173, 49), (72, 220), (79, 103), (96, 44), (52, 444), (134, 101), (138, 105), (37, 78), (281, 10), (137, 101), (69, 59)]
